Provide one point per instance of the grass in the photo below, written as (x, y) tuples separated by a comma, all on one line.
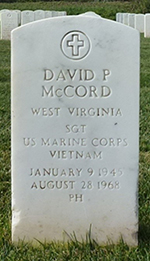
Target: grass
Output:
[(74, 250)]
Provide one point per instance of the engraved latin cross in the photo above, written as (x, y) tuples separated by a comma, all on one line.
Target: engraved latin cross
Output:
[(75, 43)]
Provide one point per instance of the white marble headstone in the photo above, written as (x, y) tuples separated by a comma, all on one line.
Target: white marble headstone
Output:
[(147, 25), (75, 104), (2, 11), (125, 18), (9, 21), (27, 16), (54, 13), (117, 17), (121, 18), (19, 16), (131, 20), (61, 13), (139, 22), (39, 14), (48, 14)]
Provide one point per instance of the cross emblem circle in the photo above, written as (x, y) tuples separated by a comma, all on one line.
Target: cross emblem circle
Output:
[(75, 45)]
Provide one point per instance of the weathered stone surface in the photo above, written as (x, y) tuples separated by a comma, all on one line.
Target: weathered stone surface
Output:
[(9, 21)]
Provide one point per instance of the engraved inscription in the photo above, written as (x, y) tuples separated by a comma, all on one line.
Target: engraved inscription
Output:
[(76, 197), (29, 142), (75, 144), (78, 112), (80, 91), (70, 154), (75, 128), (114, 172), (70, 75), (59, 184), (63, 142), (108, 185), (56, 172), (76, 179)]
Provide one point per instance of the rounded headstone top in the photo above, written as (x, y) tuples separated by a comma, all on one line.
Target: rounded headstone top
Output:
[(91, 14)]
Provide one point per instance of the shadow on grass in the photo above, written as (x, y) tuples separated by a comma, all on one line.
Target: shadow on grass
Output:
[(144, 234)]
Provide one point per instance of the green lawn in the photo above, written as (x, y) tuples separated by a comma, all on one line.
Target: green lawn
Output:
[(73, 250)]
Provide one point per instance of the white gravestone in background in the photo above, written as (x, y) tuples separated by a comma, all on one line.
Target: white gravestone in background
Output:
[(139, 22), (117, 17), (27, 17), (19, 16), (54, 13), (48, 14), (9, 21), (131, 20), (75, 103), (147, 25), (122, 14), (61, 13), (39, 14), (2, 11), (125, 19)]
